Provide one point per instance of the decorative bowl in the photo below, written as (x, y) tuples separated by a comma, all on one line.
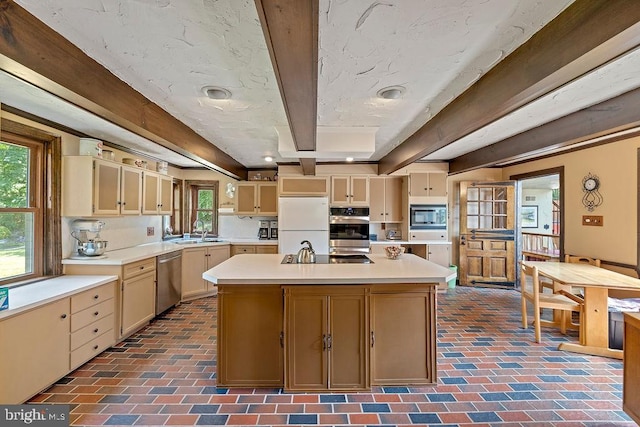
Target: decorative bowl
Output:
[(393, 252)]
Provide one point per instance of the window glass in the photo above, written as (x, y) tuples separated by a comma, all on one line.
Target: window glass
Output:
[(14, 173)]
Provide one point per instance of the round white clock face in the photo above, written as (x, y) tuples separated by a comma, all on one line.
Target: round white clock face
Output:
[(590, 184)]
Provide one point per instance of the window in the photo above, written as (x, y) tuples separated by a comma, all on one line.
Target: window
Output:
[(203, 204), (29, 211)]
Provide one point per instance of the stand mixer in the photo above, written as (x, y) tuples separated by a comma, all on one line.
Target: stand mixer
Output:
[(87, 235)]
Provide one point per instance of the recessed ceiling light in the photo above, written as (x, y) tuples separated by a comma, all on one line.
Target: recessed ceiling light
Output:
[(215, 92), (268, 159), (349, 159), (391, 92)]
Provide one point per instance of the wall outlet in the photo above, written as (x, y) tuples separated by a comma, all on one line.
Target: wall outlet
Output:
[(150, 231), (592, 220)]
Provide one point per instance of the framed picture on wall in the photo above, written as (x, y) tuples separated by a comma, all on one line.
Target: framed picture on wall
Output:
[(529, 216)]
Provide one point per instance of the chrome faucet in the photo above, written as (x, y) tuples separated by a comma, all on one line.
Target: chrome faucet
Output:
[(195, 228)]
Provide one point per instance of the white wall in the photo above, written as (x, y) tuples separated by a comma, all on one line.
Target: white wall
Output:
[(543, 199)]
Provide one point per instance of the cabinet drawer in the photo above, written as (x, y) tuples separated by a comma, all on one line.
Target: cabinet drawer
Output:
[(136, 268), (91, 349), (91, 297), (243, 249), (266, 249), (91, 331), (91, 314)]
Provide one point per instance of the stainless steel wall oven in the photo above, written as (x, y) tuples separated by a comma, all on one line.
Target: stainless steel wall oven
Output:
[(348, 231)]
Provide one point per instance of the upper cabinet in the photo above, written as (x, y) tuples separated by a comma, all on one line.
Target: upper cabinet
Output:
[(157, 194), (386, 199), (303, 186), (257, 198), (350, 190), (428, 184), (95, 187)]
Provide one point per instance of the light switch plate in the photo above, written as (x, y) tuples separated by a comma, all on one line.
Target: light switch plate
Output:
[(150, 231), (594, 220)]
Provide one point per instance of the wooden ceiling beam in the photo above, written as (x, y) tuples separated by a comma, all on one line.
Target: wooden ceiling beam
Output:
[(618, 114), (584, 36), (33, 52), (291, 32)]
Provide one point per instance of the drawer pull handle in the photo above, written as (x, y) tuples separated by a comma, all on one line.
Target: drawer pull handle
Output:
[(95, 347), (64, 316), (95, 331), (373, 339), (142, 267), (96, 313), (96, 296)]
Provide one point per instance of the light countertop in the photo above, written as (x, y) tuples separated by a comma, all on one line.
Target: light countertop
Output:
[(267, 269), (137, 253), (22, 298)]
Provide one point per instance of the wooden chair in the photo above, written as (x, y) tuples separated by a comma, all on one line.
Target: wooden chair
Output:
[(563, 300)]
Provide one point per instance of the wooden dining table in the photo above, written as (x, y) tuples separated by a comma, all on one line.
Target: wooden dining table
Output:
[(596, 283)]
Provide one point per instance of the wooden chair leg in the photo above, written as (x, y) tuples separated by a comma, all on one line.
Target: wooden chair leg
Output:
[(563, 322), (536, 325), (524, 313)]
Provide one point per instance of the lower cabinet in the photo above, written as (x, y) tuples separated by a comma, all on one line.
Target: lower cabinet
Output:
[(250, 336), (196, 261), (35, 350), (325, 334), (138, 302), (403, 334), (254, 249), (631, 369)]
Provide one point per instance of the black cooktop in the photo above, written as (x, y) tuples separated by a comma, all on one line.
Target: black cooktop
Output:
[(332, 259)]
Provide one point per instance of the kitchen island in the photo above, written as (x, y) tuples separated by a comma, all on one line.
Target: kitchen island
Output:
[(314, 327)]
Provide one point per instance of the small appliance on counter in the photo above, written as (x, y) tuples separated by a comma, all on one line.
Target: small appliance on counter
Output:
[(394, 235), (273, 229), (263, 230), (87, 235)]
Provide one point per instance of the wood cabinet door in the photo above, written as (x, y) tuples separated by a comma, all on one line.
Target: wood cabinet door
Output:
[(165, 196), (194, 263), (340, 190), (437, 184), (359, 191), (419, 184), (347, 342), (35, 350), (106, 188), (138, 302), (303, 186), (306, 342), (249, 336), (440, 254), (268, 199), (131, 191), (150, 184), (392, 199), (246, 198), (403, 338), (215, 255), (377, 205)]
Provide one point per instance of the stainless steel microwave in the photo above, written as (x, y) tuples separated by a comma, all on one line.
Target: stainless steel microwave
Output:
[(428, 217)]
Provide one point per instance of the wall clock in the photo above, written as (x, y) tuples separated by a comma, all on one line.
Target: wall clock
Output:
[(592, 197)]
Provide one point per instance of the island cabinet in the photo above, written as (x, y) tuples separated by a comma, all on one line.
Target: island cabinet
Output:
[(403, 328), (326, 336), (250, 340), (631, 369), (34, 349), (196, 261), (386, 199)]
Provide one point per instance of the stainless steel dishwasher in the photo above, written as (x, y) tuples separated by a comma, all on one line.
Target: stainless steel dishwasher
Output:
[(169, 287)]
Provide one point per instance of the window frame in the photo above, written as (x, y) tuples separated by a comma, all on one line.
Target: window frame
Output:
[(190, 201), (44, 198)]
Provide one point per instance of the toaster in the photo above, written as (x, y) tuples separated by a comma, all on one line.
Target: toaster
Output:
[(394, 235)]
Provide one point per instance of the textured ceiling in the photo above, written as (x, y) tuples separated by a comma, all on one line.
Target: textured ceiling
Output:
[(168, 50)]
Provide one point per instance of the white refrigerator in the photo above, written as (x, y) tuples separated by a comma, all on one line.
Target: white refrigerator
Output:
[(303, 218)]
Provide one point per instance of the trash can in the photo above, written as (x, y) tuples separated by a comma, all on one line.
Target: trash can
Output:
[(452, 283)]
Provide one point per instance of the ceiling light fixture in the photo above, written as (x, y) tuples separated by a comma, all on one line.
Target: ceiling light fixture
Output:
[(215, 92), (349, 159), (268, 159), (391, 92)]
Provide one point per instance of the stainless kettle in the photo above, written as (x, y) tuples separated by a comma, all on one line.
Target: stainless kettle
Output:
[(306, 255)]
